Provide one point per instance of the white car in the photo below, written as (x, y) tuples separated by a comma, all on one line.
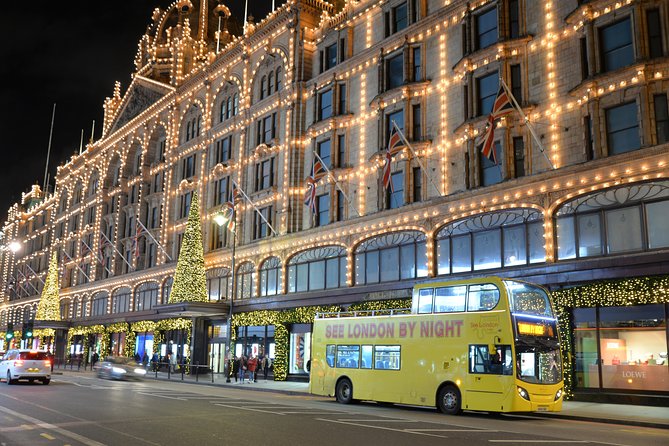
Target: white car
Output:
[(31, 365)]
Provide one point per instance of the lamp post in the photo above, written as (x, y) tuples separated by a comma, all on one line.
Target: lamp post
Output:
[(221, 220)]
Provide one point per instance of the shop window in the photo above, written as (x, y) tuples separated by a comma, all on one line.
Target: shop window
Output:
[(616, 45), (654, 27), (300, 349), (391, 257), (218, 284), (493, 240), (245, 281), (485, 29), (146, 296), (270, 277), (622, 129), (591, 225), (317, 269), (99, 304), (661, 118)]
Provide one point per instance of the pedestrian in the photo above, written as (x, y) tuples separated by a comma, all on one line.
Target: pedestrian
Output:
[(95, 358), (154, 361), (265, 364), (235, 368), (252, 366), (173, 362), (145, 360), (242, 368)]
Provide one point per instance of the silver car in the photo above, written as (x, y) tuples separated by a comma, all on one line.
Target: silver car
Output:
[(117, 367), (31, 365)]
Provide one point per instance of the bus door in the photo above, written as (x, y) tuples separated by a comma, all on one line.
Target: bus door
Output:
[(490, 377)]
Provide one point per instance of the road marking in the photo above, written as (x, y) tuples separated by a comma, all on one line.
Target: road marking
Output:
[(452, 430), (379, 420), (47, 436), (539, 441), (51, 427), (427, 434)]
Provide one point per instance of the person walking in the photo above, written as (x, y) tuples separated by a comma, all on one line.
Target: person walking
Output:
[(235, 368), (173, 362), (242, 368), (252, 366)]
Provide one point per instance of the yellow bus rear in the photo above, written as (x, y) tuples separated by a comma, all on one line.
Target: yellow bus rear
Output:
[(460, 347)]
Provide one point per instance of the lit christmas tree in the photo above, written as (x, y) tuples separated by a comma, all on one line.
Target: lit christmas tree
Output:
[(190, 281), (48, 308)]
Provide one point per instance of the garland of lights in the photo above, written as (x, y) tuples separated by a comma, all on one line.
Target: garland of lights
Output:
[(627, 292)]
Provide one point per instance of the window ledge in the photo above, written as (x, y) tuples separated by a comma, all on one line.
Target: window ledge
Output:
[(335, 122), (599, 84), (501, 49), (407, 89), (478, 122)]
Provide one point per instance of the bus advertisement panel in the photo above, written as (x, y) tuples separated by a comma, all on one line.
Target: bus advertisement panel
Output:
[(482, 344)]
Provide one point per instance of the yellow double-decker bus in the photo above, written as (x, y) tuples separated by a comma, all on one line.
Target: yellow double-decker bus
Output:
[(485, 344)]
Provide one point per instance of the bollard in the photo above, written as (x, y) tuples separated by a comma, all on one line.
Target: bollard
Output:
[(197, 369), (169, 370)]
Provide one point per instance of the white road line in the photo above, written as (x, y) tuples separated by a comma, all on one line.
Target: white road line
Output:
[(427, 434), (476, 431), (381, 420), (539, 441), (51, 427)]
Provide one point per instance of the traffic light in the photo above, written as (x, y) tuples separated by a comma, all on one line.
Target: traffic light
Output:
[(9, 335), (27, 331)]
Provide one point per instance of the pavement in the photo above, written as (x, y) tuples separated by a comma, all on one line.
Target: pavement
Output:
[(645, 416)]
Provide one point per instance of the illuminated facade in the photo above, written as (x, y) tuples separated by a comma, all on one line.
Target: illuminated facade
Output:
[(583, 200)]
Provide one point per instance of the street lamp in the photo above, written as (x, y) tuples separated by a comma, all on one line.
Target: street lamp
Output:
[(222, 220)]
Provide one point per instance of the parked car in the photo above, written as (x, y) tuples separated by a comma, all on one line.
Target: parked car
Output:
[(31, 365), (117, 367)]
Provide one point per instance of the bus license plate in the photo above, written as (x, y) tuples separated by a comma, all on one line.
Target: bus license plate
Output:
[(542, 409)]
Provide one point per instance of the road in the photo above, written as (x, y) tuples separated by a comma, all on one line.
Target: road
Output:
[(82, 410)]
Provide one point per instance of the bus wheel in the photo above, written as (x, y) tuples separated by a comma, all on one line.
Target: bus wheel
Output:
[(448, 400), (344, 391)]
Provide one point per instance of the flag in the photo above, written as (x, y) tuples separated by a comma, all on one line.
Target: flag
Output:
[(318, 170), (235, 193), (502, 104), (229, 213), (487, 145), (135, 241), (395, 144), (310, 195), (103, 244), (387, 183)]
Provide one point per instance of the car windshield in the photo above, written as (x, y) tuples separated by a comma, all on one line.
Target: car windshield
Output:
[(34, 356), (121, 360)]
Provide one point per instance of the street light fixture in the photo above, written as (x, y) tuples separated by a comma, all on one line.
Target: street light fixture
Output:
[(222, 220), (14, 246)]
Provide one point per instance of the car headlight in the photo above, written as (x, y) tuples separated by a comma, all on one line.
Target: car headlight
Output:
[(558, 394), (139, 371), (523, 393), (118, 370)]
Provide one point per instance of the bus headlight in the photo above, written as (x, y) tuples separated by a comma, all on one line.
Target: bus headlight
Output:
[(558, 395), (523, 393)]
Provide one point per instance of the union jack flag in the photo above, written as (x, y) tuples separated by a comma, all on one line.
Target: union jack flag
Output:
[(395, 144), (318, 170), (229, 214), (386, 172), (135, 240), (310, 195), (235, 194), (103, 245), (501, 107)]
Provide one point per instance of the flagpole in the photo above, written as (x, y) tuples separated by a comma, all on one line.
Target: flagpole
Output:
[(16, 281), (527, 121), (418, 160), (116, 249), (76, 264), (331, 175), (27, 281), (98, 257), (34, 273), (154, 239), (246, 14), (48, 152), (256, 209)]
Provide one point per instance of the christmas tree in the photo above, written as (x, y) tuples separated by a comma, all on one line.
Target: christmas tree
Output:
[(190, 280), (48, 308)]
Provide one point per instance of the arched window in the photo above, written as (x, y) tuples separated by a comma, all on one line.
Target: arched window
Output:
[(263, 87), (167, 289), (223, 112), (146, 296), (199, 125), (99, 303), (625, 219), (245, 281), (75, 307), (317, 269), (62, 207), (65, 309), (78, 193), (493, 240), (270, 83), (235, 104), (390, 257), (93, 184), (270, 277), (218, 284), (188, 131), (279, 79), (121, 300), (85, 310)]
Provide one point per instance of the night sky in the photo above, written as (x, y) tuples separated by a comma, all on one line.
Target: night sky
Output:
[(68, 53)]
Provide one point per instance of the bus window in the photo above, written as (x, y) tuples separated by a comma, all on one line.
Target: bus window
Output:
[(330, 354), (387, 357), (425, 301), (482, 297), (492, 362), (528, 299), (348, 356), (450, 299), (366, 361)]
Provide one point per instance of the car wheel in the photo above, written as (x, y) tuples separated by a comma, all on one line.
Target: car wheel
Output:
[(9, 378), (46, 381), (344, 391), (448, 400)]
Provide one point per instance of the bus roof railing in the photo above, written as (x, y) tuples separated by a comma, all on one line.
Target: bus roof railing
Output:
[(363, 313)]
